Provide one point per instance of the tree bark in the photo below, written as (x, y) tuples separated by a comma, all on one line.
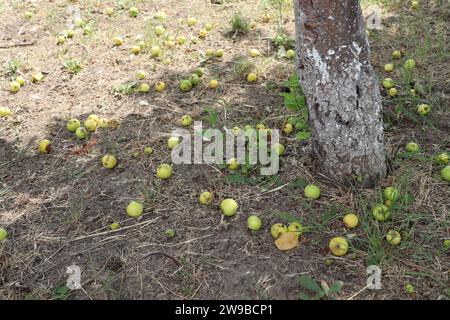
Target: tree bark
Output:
[(342, 91)]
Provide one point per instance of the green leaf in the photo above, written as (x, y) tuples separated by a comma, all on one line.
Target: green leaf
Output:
[(309, 283), (336, 287), (304, 296), (302, 135)]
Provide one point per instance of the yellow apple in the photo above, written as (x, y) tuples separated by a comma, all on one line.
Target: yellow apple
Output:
[(102, 123), (206, 197), (164, 171), (338, 246), (90, 125), (118, 41), (60, 39), (172, 142), (288, 128), (94, 117), (277, 230), (73, 125), (20, 80), (254, 53), (233, 164), (5, 112), (254, 223), (3, 234), (312, 192), (393, 237), (181, 40), (213, 84), (191, 21), (141, 75), (136, 49), (109, 11), (186, 120), (114, 226), (202, 33), (44, 146), (144, 87), (159, 30), (14, 86), (252, 77), (160, 86), (389, 67), (228, 207), (135, 209), (351, 220), (109, 161), (155, 51), (81, 133), (219, 53)]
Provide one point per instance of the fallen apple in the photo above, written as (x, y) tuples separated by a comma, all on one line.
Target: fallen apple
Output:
[(412, 147), (199, 71), (170, 233), (144, 88), (159, 30), (28, 15), (194, 79), (148, 150), (409, 64), (136, 49), (141, 75), (172, 142), (409, 288), (254, 223), (296, 227), (90, 125), (181, 40), (14, 86), (167, 61), (133, 12), (109, 11), (81, 133), (186, 120), (185, 85), (118, 41), (202, 33), (351, 220), (381, 213), (70, 33), (160, 86), (397, 54), (114, 226), (219, 53), (213, 84), (44, 146), (103, 123), (60, 39), (391, 193), (191, 21), (252, 24), (206, 197), (79, 22), (442, 158), (277, 230), (73, 125), (423, 109), (279, 149), (208, 27), (209, 52), (87, 30), (5, 112), (228, 207), (393, 237), (135, 209), (446, 243), (388, 83), (254, 53), (233, 164), (37, 77), (338, 246), (164, 171), (290, 54), (252, 77), (3, 234), (109, 161), (414, 5), (169, 44), (155, 51), (387, 203), (288, 128), (161, 15), (445, 173), (312, 192), (20, 80), (260, 126), (389, 67)]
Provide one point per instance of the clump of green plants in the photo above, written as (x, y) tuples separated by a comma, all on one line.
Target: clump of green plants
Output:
[(10, 68), (316, 291), (239, 24), (126, 88), (242, 66), (73, 66)]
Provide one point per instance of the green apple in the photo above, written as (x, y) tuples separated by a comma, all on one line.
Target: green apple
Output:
[(388, 83), (5, 112), (194, 79), (70, 33), (28, 15), (229, 207), (410, 64), (14, 86), (109, 161), (144, 88), (114, 226), (186, 120), (141, 75), (135, 209), (351, 220), (3, 234), (389, 67), (185, 85), (446, 243), (181, 40), (172, 142), (219, 53), (148, 150), (415, 5), (20, 80), (338, 246), (412, 147), (94, 117), (155, 51), (81, 133), (254, 53), (254, 223), (164, 171), (277, 230), (409, 288), (392, 92), (44, 146), (278, 148), (90, 125), (73, 125), (169, 43), (288, 128), (103, 123), (290, 54), (397, 54), (391, 193), (445, 173), (296, 227), (206, 197), (252, 77), (209, 52), (423, 109), (393, 237), (170, 233), (442, 158), (199, 71), (312, 192), (159, 30), (381, 213), (260, 126), (133, 12)]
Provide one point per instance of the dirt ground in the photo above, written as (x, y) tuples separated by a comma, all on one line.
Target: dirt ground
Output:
[(57, 207)]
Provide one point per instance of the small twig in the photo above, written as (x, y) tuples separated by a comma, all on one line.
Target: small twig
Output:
[(13, 45)]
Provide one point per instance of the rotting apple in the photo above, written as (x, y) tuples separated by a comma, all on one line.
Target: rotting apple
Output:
[(338, 246), (423, 109), (381, 213), (45, 146), (296, 227), (277, 230)]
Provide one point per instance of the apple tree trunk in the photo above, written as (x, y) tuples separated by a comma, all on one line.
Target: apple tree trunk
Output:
[(342, 91)]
